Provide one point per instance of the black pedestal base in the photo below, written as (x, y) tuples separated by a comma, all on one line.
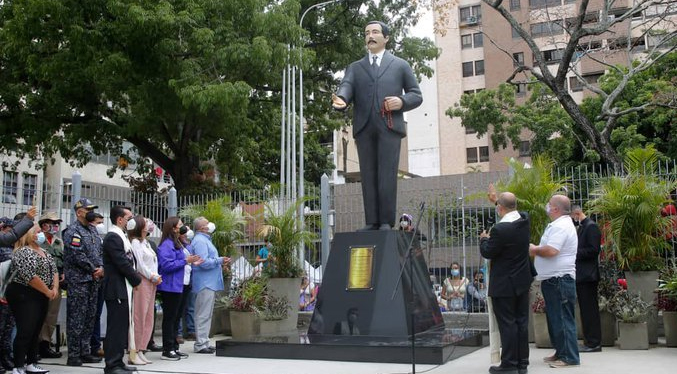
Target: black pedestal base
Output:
[(433, 348)]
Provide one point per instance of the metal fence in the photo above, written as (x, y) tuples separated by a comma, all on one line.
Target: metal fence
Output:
[(455, 212)]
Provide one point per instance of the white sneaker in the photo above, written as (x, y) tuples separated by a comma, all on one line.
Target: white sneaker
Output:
[(18, 371), (36, 369)]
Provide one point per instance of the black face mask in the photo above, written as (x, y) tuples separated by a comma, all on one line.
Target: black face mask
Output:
[(576, 223), (480, 280)]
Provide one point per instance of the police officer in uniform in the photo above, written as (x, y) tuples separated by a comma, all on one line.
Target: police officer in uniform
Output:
[(83, 266), (49, 224)]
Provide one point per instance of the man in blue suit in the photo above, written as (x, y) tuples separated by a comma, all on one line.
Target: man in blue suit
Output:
[(381, 87)]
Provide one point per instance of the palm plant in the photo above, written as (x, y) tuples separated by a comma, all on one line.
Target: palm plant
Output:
[(283, 231), (229, 222), (629, 210), (534, 186)]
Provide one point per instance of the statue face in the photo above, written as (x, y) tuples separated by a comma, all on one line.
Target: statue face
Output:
[(374, 38)]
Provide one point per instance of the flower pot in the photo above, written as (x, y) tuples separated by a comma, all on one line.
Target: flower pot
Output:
[(541, 335), (652, 325), (244, 325), (633, 335), (608, 324), (290, 289), (670, 326)]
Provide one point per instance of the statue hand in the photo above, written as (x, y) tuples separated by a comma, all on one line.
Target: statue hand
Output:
[(337, 102)]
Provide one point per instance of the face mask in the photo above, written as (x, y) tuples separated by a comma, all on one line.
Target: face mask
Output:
[(547, 208), (54, 229), (190, 234), (404, 224), (131, 224), (576, 222), (498, 213), (455, 272), (150, 226), (481, 280), (101, 229), (41, 237), (211, 227)]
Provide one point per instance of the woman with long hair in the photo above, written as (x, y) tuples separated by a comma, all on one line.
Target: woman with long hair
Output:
[(35, 283), (172, 261), (454, 288), (144, 294)]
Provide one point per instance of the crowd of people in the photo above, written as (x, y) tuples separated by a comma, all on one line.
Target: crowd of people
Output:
[(122, 268)]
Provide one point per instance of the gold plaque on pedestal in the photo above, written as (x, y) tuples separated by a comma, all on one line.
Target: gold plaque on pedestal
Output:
[(360, 270)]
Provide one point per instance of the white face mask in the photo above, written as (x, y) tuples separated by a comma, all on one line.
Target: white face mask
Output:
[(190, 234), (131, 224), (101, 229), (211, 227), (547, 208), (404, 224)]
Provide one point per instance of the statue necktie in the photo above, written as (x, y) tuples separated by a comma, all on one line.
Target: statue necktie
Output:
[(374, 64)]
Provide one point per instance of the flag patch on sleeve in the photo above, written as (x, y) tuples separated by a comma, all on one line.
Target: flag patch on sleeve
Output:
[(75, 242)]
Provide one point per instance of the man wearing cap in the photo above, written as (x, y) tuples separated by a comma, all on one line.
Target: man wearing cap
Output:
[(49, 224), (83, 267), (19, 228)]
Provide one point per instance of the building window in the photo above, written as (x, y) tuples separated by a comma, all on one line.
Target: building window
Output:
[(479, 67), (525, 148), (544, 3), (468, 130), (521, 89), (466, 41), (514, 4), (30, 188), (546, 29), (471, 14), (553, 56), (484, 154), (515, 35), (467, 69), (471, 155), (478, 40), (575, 85), (518, 59), (9, 186)]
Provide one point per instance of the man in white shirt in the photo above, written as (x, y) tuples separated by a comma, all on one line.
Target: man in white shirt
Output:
[(555, 263)]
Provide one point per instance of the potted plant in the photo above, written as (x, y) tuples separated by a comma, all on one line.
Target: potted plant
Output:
[(606, 289), (631, 312), (281, 228), (254, 310), (666, 301), (628, 207), (541, 335)]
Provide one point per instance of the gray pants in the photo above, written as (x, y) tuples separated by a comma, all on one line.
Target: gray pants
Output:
[(204, 307)]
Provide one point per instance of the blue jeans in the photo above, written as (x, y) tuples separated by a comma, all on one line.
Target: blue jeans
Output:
[(188, 317), (560, 301)]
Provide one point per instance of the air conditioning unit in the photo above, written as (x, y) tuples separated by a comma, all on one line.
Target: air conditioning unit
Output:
[(471, 20)]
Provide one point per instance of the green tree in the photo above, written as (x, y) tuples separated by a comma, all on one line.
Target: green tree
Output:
[(184, 81)]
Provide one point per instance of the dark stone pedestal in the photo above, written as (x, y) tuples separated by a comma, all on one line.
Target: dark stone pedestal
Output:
[(385, 308)]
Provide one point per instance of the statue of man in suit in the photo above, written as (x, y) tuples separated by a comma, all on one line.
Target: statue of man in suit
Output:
[(381, 87)]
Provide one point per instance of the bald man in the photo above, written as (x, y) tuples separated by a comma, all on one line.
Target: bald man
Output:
[(510, 277), (555, 262)]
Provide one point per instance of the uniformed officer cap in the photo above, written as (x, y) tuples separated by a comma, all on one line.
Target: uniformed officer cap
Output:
[(84, 203)]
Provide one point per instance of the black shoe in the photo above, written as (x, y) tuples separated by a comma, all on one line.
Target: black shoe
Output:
[(504, 370), (2, 370), (586, 349), (171, 356), (181, 354), (385, 227), (522, 371), (74, 361), (89, 359), (154, 347), (369, 228), (47, 352), (6, 362), (130, 368), (207, 351), (117, 370)]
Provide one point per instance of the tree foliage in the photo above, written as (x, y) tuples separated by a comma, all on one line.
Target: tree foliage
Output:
[(190, 83)]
